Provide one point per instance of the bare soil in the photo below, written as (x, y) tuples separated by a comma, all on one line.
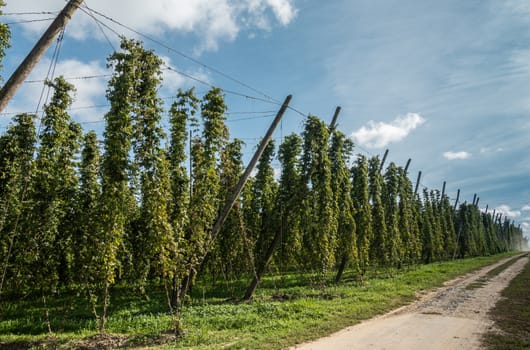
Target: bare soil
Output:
[(454, 316)]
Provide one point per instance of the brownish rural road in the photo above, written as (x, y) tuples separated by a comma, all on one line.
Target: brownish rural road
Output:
[(451, 317)]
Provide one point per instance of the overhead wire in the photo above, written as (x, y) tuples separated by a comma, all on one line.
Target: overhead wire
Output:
[(268, 99), (30, 21), (29, 13), (253, 112), (72, 78), (91, 12), (257, 113), (51, 70), (180, 53), (100, 26), (251, 118), (231, 92)]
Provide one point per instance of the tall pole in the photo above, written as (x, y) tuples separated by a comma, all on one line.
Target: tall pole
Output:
[(407, 166), (237, 191), (235, 194), (443, 190), (384, 160), (417, 182), (456, 200), (334, 119), (23, 70)]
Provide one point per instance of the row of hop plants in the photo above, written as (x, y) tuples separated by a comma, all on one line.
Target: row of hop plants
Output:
[(81, 213)]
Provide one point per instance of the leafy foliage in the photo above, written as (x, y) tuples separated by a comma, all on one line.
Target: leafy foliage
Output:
[(131, 218), (341, 186), (17, 147), (320, 220), (5, 36), (379, 247), (363, 212), (289, 200)]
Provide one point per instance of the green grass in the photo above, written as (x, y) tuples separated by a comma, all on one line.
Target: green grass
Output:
[(512, 316), (286, 310)]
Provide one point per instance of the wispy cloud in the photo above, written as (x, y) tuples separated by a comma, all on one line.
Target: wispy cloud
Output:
[(507, 211), (520, 7), (456, 155), (283, 10), (212, 21), (380, 134), (526, 208), (491, 150)]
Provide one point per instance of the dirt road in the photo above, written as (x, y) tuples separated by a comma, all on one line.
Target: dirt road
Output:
[(452, 317)]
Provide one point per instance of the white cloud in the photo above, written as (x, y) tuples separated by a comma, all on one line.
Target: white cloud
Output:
[(172, 80), (284, 10), (89, 91), (526, 208), (380, 134), (457, 155), (213, 21), (507, 211)]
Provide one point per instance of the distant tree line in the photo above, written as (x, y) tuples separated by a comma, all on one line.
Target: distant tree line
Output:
[(78, 213)]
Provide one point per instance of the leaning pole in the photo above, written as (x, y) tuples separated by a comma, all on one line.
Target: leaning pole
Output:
[(21, 73)]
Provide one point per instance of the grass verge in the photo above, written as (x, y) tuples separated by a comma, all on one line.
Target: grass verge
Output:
[(286, 310), (512, 316)]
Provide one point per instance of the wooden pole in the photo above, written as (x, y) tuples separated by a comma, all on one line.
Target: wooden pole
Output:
[(383, 161), (458, 239), (23, 70), (407, 165), (456, 200), (260, 271), (237, 191), (417, 183), (276, 240), (476, 203), (474, 198), (334, 119), (242, 181), (443, 190), (487, 206)]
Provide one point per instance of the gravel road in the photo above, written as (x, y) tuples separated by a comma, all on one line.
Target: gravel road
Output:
[(450, 317)]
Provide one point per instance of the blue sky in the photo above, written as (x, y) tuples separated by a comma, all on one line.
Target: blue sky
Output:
[(446, 83)]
